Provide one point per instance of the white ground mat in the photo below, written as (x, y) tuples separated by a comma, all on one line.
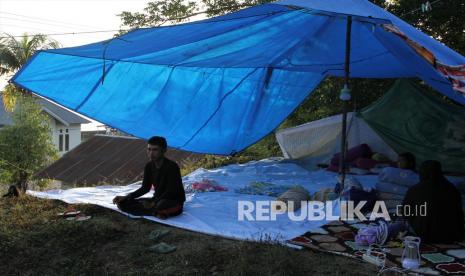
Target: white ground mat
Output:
[(216, 213)]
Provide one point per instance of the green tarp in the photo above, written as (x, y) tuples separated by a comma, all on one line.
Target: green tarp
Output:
[(410, 120)]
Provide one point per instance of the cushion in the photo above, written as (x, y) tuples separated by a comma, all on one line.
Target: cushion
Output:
[(296, 195), (333, 168), (362, 150), (365, 163)]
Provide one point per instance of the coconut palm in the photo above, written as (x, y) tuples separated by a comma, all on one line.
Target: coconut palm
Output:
[(13, 54)]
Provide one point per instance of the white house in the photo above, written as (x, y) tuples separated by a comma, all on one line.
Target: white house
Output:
[(65, 125)]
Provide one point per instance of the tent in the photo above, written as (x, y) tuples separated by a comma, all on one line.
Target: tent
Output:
[(409, 119), (221, 84), (406, 119), (316, 142)]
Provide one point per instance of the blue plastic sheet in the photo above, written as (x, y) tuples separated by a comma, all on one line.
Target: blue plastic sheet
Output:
[(220, 85)]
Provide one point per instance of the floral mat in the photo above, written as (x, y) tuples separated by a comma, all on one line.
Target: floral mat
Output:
[(337, 237)]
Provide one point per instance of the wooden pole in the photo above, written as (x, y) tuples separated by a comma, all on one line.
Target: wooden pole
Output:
[(345, 97)]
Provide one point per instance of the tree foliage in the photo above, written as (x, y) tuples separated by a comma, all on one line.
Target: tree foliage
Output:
[(26, 146), (176, 11), (14, 52)]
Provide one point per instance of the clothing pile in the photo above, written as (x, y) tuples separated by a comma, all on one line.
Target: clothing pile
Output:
[(263, 188), (205, 185), (291, 199)]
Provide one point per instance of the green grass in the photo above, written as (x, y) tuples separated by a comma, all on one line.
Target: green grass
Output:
[(33, 240)]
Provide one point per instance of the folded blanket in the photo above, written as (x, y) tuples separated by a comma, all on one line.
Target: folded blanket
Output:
[(263, 188), (392, 188), (402, 177), (389, 196)]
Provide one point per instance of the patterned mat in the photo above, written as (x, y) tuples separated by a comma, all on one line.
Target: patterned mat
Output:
[(338, 238)]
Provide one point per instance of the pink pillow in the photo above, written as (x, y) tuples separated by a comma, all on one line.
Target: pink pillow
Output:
[(359, 151), (333, 168), (365, 163)]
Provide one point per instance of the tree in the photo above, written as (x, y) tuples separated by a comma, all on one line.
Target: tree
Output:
[(13, 54), (25, 146), (175, 11)]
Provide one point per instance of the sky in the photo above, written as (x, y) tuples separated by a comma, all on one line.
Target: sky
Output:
[(65, 16)]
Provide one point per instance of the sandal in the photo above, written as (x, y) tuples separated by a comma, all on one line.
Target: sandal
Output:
[(79, 217), (70, 212), (162, 248)]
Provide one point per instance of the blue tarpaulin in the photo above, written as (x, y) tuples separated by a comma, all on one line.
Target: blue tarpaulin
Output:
[(221, 84)]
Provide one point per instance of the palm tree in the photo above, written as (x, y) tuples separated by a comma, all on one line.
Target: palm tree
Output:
[(13, 54)]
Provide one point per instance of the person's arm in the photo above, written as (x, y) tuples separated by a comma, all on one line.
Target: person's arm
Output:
[(145, 187)]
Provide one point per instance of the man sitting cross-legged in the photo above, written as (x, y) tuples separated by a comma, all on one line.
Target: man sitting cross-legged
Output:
[(165, 176)]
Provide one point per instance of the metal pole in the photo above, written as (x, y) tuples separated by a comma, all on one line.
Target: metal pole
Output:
[(345, 97)]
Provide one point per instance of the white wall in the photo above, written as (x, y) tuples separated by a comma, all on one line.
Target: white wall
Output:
[(73, 130)]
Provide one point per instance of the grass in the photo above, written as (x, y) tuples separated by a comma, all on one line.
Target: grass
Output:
[(33, 240)]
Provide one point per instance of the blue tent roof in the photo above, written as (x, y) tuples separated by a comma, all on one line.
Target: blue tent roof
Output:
[(221, 84)]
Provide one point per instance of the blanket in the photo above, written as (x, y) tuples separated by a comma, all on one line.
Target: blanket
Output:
[(338, 238)]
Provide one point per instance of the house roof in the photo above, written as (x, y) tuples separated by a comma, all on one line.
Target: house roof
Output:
[(107, 159), (65, 116), (59, 113)]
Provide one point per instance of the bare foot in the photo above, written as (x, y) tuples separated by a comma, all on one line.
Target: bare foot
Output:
[(161, 216)]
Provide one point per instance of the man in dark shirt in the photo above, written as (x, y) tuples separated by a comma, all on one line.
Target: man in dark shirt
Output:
[(165, 176), (444, 220)]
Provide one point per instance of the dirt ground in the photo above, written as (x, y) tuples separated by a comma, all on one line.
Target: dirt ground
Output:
[(35, 241)]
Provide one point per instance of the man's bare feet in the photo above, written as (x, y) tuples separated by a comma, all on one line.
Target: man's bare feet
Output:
[(161, 216)]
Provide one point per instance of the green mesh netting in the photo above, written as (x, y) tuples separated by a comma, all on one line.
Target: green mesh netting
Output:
[(421, 123)]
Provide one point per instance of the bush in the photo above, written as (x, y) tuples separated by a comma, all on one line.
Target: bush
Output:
[(26, 146)]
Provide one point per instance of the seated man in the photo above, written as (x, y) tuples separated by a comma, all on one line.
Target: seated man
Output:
[(444, 219), (165, 176)]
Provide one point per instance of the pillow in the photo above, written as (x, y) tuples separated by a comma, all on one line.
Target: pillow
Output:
[(296, 195), (365, 163), (324, 195), (362, 150), (333, 168), (402, 177)]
